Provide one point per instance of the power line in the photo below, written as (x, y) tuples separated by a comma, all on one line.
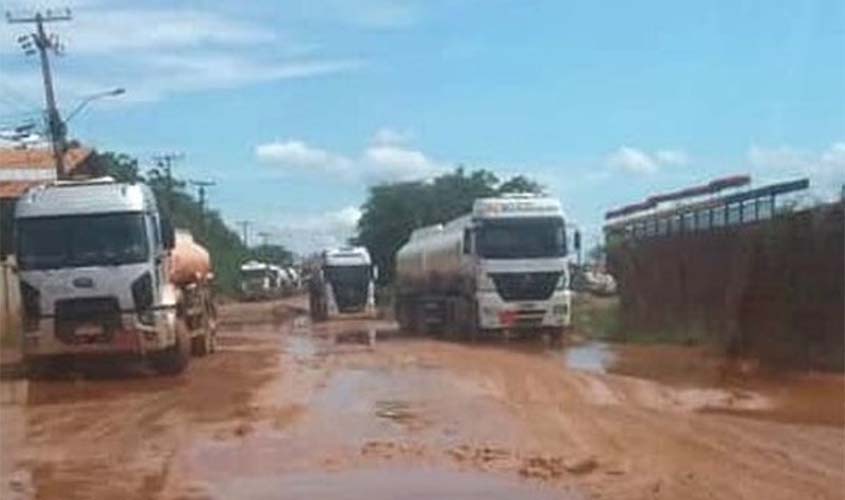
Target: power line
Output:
[(39, 42), (165, 161), (245, 228), (201, 185)]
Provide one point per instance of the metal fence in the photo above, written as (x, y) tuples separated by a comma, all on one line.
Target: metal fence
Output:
[(734, 209)]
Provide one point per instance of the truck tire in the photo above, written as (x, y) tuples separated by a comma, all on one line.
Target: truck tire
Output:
[(402, 311), (555, 337), (206, 342), (42, 367), (175, 359)]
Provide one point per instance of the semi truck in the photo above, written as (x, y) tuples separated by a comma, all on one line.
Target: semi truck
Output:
[(503, 268), (260, 280), (103, 273), (343, 281)]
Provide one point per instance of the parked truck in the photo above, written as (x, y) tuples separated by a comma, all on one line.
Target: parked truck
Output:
[(343, 281), (103, 273), (501, 268), (260, 280)]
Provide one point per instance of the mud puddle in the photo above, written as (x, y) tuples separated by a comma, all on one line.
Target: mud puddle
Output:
[(716, 384), (595, 357), (386, 483)]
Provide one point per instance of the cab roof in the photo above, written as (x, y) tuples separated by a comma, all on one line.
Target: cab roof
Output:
[(95, 196)]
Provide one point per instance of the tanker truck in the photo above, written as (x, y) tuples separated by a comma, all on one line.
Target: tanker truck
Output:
[(502, 268), (342, 282), (103, 273)]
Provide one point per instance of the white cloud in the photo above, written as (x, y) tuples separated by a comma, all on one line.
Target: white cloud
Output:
[(157, 52), (632, 160), (387, 136), (397, 163), (671, 157), (384, 160), (309, 231), (825, 169), (641, 162), (298, 154), (104, 31)]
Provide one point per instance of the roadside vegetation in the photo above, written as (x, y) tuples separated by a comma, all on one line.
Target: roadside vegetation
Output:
[(597, 318), (175, 200)]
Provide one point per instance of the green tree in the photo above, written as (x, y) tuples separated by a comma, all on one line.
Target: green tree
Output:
[(520, 184), (225, 247), (274, 254)]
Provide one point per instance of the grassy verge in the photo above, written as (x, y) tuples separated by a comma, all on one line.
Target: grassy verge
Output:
[(597, 318), (600, 318)]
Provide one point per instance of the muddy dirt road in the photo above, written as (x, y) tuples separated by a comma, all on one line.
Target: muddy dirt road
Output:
[(353, 409)]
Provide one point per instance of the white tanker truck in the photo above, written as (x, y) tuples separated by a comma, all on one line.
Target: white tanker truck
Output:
[(501, 268), (103, 273)]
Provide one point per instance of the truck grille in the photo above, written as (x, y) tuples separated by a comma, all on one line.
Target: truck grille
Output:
[(350, 297), (73, 313), (525, 286)]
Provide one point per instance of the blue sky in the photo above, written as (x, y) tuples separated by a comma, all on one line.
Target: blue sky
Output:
[(295, 107)]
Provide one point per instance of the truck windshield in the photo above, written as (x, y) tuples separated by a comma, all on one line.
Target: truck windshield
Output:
[(82, 240), (521, 239), (348, 275), (254, 274)]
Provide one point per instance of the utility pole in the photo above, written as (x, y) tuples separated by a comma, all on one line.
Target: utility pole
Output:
[(245, 228), (42, 43), (165, 162), (201, 185)]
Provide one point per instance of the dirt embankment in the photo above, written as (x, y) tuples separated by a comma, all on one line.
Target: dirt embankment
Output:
[(773, 290)]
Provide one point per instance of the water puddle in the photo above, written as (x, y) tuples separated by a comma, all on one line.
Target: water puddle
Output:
[(388, 483), (594, 357)]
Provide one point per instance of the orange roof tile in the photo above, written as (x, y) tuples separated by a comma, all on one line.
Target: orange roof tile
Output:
[(41, 158)]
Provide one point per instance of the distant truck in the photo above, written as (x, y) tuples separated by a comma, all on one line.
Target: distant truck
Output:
[(342, 282), (260, 280), (501, 268), (103, 273)]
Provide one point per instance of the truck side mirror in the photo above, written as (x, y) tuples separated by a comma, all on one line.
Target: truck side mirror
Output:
[(576, 240), (168, 234), (375, 273)]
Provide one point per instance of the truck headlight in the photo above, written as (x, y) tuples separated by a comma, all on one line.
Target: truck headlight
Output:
[(142, 295), (486, 283), (563, 281)]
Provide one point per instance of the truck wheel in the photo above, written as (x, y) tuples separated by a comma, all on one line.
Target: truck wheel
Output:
[(199, 345), (174, 360), (555, 337), (205, 344), (212, 333)]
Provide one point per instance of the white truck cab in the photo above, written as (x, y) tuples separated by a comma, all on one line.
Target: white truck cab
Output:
[(93, 263), (343, 283)]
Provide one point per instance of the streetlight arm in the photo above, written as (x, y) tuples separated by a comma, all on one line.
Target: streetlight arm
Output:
[(79, 107)]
